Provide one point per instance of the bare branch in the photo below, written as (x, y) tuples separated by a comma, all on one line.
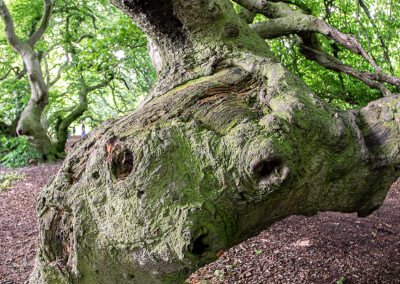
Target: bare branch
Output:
[(59, 73), (91, 118), (114, 99), (306, 23), (8, 73), (297, 24), (297, 3), (44, 23), (125, 83), (333, 63), (286, 26), (269, 9), (138, 46), (84, 36), (289, 21), (101, 85)]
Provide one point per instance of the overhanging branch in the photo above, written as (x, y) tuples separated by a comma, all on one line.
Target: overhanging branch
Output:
[(285, 21), (333, 63), (269, 9)]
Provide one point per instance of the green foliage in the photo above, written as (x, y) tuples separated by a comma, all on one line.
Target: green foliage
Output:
[(16, 152), (6, 179), (86, 43), (378, 35)]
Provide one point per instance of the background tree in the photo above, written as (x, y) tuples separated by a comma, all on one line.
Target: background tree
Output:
[(14, 91), (94, 50), (228, 142), (77, 35), (30, 122)]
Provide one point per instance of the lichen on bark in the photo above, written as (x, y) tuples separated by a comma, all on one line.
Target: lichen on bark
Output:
[(207, 162)]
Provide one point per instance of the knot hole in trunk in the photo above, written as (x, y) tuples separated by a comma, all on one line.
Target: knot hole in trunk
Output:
[(265, 169), (122, 163), (199, 245)]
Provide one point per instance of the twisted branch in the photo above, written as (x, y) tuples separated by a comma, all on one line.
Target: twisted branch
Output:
[(284, 21)]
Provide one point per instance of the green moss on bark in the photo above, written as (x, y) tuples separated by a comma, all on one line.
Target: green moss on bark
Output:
[(156, 194)]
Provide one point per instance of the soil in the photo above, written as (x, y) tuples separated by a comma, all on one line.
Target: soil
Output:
[(325, 248), (18, 222)]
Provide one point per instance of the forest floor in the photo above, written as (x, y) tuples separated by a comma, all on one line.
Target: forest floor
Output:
[(320, 249)]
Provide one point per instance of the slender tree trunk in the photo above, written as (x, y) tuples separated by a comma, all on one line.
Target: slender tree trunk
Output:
[(76, 113), (228, 143), (30, 122)]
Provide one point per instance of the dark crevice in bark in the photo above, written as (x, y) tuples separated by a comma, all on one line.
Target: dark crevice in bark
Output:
[(377, 136), (159, 14), (122, 163), (264, 169), (199, 245), (96, 175)]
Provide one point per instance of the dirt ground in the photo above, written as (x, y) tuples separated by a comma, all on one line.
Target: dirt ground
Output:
[(325, 248), (18, 223)]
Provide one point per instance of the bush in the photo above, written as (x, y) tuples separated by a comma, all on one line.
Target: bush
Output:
[(16, 152)]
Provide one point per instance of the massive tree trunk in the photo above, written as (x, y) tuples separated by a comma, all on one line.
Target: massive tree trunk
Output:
[(228, 142)]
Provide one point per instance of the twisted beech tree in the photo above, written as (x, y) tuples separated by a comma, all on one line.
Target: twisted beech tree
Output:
[(228, 142), (29, 123)]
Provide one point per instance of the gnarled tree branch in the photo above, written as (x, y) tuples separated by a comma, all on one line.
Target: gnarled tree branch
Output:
[(247, 15), (285, 21), (335, 64)]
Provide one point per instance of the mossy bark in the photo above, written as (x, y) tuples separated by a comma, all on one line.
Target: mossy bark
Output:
[(207, 162)]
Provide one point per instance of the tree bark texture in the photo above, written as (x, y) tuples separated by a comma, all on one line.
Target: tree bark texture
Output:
[(228, 143)]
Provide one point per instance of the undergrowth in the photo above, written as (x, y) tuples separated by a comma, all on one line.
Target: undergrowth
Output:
[(16, 152)]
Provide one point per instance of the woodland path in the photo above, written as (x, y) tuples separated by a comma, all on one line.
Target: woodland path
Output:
[(319, 249)]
